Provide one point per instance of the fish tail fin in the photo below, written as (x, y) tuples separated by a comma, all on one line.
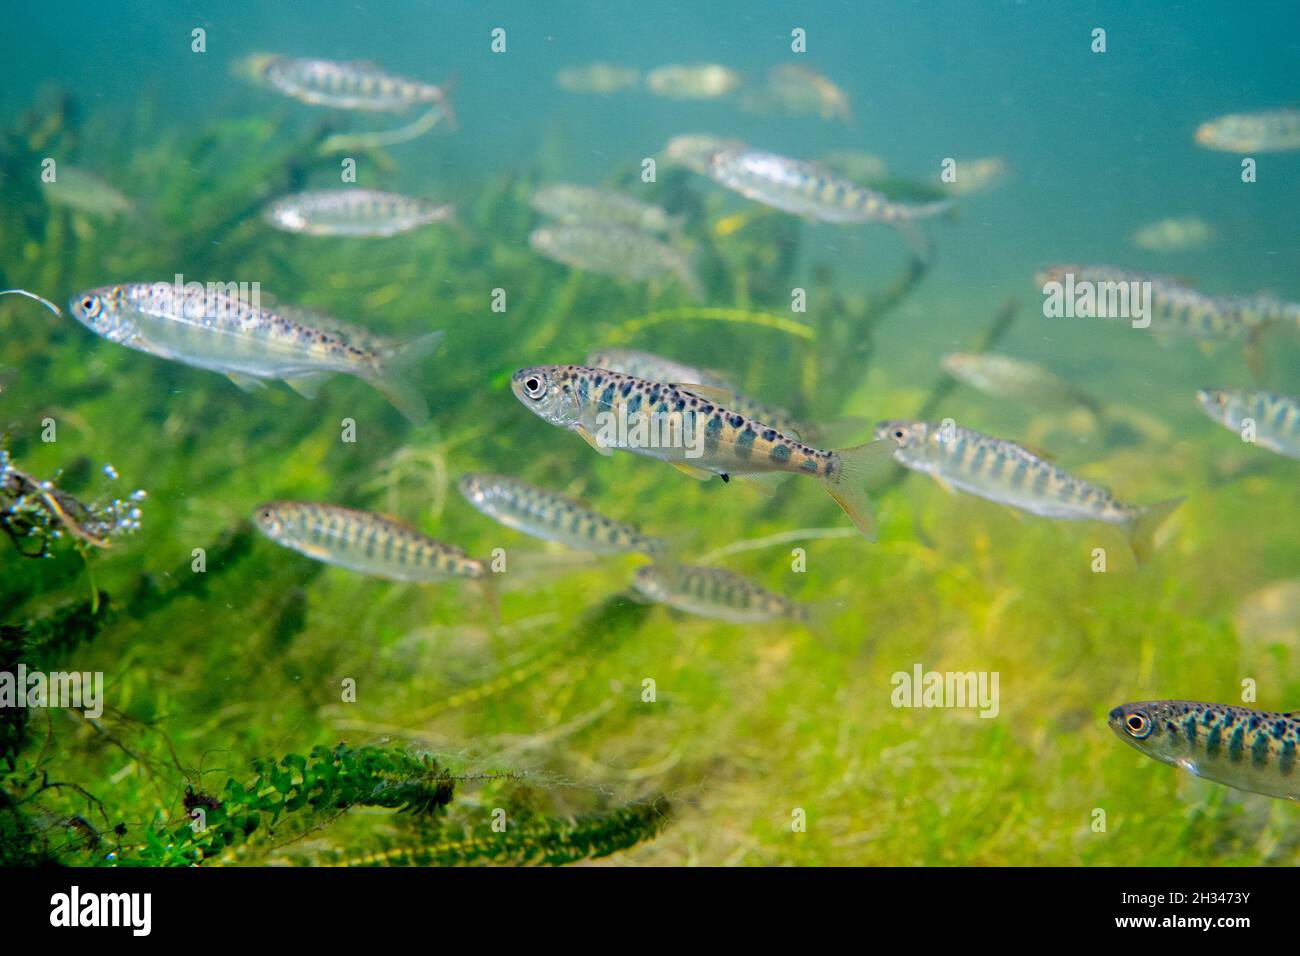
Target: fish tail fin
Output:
[(857, 467), (394, 375), (1143, 530), (449, 111)]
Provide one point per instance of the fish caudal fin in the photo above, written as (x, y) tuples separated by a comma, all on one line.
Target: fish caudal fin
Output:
[(395, 373), (858, 467), (1143, 530)]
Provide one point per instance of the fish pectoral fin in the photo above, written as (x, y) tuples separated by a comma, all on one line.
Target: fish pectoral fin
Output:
[(590, 439), (711, 393), (308, 386), (248, 383), (943, 483), (699, 474)]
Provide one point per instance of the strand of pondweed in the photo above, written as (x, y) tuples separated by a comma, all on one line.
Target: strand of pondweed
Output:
[(539, 840), (772, 540), (629, 329)]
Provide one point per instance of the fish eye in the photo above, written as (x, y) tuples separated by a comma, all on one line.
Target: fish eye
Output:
[(1137, 725), (90, 304), (533, 386), (900, 433)]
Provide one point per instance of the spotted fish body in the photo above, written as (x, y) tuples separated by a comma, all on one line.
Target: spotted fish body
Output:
[(659, 369), (569, 204), (1253, 750), (343, 85), (355, 213), (365, 542), (553, 517), (714, 593), (1004, 472), (696, 433), (1275, 418), (806, 189), (208, 328), (1178, 310), (1271, 131), (614, 250)]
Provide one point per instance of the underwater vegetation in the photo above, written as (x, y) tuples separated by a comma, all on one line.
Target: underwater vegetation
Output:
[(719, 681)]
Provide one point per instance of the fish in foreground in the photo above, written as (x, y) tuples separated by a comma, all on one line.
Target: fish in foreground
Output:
[(1007, 377), (554, 517), (1240, 747), (696, 81), (1274, 419), (689, 427), (1174, 308), (357, 213), (600, 78), (568, 203), (1001, 471), (656, 368), (83, 191), (363, 541), (210, 329), (1272, 131), (1173, 235), (714, 593), (340, 84), (616, 251)]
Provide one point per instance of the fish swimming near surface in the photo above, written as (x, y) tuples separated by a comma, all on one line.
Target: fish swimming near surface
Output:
[(363, 541), (568, 203), (1007, 377), (1002, 471), (354, 213), (714, 593), (656, 368), (1173, 235), (1174, 308), (1270, 420), (216, 330), (344, 85), (554, 517), (694, 81), (1266, 132), (82, 191), (1253, 750), (693, 431), (616, 251), (598, 78), (792, 88)]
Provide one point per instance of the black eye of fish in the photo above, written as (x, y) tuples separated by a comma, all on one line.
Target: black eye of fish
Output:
[(899, 433), (533, 386), (88, 303), (1137, 725)]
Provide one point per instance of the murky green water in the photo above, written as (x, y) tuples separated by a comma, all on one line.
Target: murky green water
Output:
[(583, 718)]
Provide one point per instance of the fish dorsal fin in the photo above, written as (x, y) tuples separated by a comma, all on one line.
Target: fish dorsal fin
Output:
[(711, 393)]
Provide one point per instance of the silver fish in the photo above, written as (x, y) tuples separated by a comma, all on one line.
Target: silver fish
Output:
[(1274, 419), (217, 330), (714, 593), (362, 541), (553, 517), (695, 81), (568, 203), (1007, 377), (1004, 472), (696, 150), (356, 213), (85, 192), (1272, 131), (616, 251), (342, 85)]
